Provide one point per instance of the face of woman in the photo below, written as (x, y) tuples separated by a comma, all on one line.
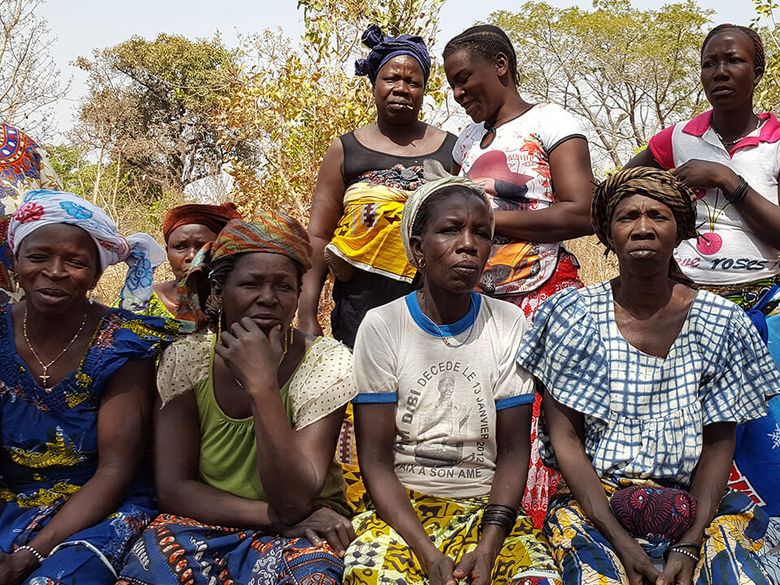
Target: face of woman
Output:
[(456, 243), (399, 90), (182, 245), (263, 287), (643, 230), (476, 83), (57, 265), (728, 74)]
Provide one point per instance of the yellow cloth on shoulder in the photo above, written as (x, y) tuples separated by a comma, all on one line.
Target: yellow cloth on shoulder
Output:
[(368, 236)]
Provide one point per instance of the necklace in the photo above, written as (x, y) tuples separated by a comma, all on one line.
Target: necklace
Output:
[(490, 131), (443, 336), (728, 143), (45, 377)]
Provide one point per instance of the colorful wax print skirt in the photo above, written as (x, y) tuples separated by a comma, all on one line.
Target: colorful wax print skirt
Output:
[(174, 550), (379, 555), (728, 555)]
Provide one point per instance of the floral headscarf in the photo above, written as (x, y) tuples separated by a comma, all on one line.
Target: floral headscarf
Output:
[(141, 253)]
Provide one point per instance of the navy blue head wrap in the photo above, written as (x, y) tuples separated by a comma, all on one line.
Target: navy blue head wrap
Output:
[(385, 48)]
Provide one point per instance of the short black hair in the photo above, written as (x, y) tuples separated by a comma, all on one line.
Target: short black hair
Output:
[(759, 56), (487, 40)]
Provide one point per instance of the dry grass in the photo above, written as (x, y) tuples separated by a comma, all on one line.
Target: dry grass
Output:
[(594, 267)]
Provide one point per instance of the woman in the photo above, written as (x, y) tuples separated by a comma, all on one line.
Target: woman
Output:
[(362, 186), (443, 414), (76, 385), (530, 158), (645, 380), (729, 157), (251, 410), (186, 229)]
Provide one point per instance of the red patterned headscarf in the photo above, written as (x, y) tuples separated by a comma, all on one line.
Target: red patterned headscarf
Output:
[(269, 232), (214, 217)]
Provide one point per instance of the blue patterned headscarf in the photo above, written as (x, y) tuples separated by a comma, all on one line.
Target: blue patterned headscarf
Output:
[(141, 253), (384, 48)]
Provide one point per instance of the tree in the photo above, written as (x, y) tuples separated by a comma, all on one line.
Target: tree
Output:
[(291, 104), (151, 106), (29, 78), (627, 72), (768, 92)]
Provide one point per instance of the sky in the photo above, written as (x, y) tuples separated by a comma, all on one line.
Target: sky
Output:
[(81, 26)]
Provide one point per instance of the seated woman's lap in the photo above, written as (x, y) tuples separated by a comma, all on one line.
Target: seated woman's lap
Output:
[(586, 557), (379, 552), (174, 547)]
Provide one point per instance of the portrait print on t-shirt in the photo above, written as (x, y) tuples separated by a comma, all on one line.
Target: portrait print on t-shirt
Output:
[(446, 396)]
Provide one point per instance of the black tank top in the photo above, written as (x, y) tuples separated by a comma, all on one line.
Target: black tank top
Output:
[(359, 159)]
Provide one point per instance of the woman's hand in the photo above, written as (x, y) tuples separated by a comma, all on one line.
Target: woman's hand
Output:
[(639, 568), (702, 174), (249, 354), (15, 568), (327, 524), (476, 567), (439, 568), (678, 570)]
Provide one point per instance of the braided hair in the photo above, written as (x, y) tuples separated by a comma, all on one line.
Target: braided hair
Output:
[(759, 56), (486, 40)]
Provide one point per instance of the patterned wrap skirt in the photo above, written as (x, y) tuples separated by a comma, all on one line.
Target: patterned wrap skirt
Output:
[(379, 555), (728, 554), (174, 550)]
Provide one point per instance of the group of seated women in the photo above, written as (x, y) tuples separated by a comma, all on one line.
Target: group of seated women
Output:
[(187, 435)]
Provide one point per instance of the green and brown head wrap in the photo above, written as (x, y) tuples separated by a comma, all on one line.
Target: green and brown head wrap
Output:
[(650, 182)]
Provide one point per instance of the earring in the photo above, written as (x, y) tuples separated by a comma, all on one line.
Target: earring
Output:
[(90, 296), (421, 264), (288, 339), (219, 323)]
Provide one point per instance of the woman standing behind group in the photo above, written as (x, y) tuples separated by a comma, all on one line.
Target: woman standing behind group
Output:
[(730, 157), (534, 163), (362, 186)]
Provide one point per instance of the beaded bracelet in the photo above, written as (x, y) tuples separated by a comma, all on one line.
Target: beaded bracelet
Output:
[(739, 192), (38, 556), (685, 553), (693, 545)]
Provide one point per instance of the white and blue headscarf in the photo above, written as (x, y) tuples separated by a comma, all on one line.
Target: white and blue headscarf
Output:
[(140, 251)]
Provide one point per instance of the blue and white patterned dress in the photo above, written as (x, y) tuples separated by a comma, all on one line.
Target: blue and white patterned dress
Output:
[(644, 414), (49, 440)]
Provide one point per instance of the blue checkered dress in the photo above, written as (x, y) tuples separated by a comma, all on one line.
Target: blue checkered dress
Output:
[(644, 414)]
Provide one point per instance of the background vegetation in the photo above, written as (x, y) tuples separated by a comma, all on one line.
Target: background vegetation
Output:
[(164, 115)]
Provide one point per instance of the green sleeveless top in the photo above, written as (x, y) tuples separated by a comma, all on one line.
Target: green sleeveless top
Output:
[(228, 448)]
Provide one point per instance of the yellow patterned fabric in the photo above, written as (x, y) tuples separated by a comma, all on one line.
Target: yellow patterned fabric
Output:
[(368, 236), (380, 556), (346, 455)]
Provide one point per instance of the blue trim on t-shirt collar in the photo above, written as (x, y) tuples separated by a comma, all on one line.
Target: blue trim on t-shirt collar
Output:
[(450, 329)]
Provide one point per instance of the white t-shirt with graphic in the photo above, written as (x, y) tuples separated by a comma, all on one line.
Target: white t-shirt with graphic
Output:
[(515, 171), (728, 251), (446, 397)]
